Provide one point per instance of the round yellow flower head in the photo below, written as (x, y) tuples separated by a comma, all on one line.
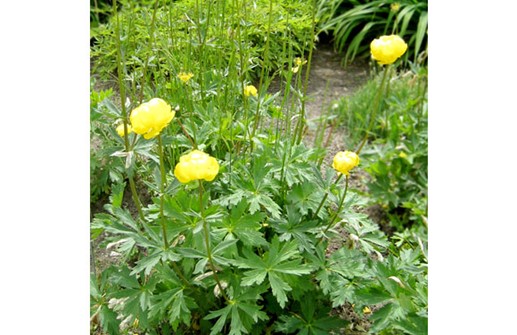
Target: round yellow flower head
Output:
[(387, 49), (344, 161), (394, 7), (299, 61), (250, 90), (196, 165), (120, 129), (184, 77), (151, 117)]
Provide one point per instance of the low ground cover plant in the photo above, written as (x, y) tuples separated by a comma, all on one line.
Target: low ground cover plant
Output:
[(235, 225)]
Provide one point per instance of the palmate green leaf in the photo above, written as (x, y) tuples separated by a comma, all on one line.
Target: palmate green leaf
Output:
[(137, 296), (108, 320), (148, 263), (279, 287), (313, 319), (296, 227), (243, 310), (290, 164), (241, 225), (413, 324), (174, 305), (305, 197), (275, 263)]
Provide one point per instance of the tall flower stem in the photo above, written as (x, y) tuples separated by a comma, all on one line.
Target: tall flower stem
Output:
[(151, 42), (341, 202), (122, 89), (207, 242), (301, 121), (265, 58), (326, 196), (162, 191), (376, 104)]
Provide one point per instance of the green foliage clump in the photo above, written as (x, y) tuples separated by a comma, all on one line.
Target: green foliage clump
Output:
[(396, 160), (354, 24), (211, 33), (278, 240)]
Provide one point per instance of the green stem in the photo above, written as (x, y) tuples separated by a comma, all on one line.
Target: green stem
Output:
[(122, 90), (325, 196), (264, 65), (151, 42), (375, 108), (162, 191), (339, 207), (207, 242), (301, 121)]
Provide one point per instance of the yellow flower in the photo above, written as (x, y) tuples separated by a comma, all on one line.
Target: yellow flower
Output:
[(367, 310), (387, 49), (196, 165), (344, 161), (402, 154), (298, 62), (120, 129), (151, 117), (394, 7), (184, 77), (250, 90)]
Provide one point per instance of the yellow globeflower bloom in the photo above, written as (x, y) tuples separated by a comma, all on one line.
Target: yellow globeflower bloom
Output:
[(151, 117), (387, 49), (195, 166), (120, 129), (184, 77), (344, 161), (298, 62), (250, 90), (394, 7)]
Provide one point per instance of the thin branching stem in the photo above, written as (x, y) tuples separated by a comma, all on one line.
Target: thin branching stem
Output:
[(122, 90), (375, 108), (162, 191), (326, 196), (151, 42), (207, 241)]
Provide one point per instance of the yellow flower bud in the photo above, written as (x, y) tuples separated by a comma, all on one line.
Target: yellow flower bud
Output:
[(250, 90), (298, 61), (151, 117), (367, 310), (184, 77), (344, 161), (196, 165), (387, 49), (394, 7), (120, 129)]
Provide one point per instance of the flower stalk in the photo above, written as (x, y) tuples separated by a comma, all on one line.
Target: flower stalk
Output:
[(375, 108), (207, 241), (162, 191), (122, 89)]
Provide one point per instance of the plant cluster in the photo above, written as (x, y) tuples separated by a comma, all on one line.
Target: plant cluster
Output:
[(210, 33), (398, 182), (245, 230), (354, 24)]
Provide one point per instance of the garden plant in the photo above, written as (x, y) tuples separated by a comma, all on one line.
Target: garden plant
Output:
[(217, 214)]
